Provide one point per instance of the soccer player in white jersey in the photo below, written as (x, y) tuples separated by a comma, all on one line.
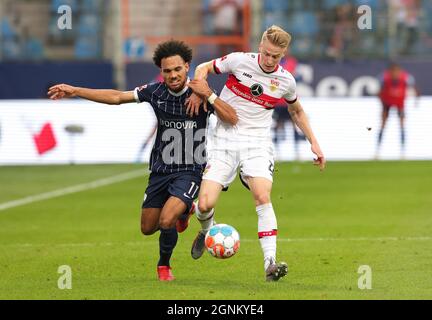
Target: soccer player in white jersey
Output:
[(255, 84)]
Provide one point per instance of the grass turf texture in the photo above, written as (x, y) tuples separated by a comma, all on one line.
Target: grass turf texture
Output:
[(355, 213)]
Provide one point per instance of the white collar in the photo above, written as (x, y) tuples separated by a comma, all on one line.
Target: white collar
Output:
[(178, 94)]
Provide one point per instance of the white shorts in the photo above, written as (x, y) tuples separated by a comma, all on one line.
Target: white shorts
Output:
[(252, 162)]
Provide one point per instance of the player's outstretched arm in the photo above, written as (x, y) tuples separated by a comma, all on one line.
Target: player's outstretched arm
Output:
[(300, 119), (223, 110), (108, 96), (194, 101)]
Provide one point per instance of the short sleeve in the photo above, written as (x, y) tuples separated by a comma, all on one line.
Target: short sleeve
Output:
[(290, 95), (142, 94), (228, 63)]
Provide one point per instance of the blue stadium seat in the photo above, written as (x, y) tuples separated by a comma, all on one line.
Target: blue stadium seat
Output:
[(208, 25), (329, 4), (427, 6), (87, 48), (371, 3), (207, 18), (55, 4), (367, 44), (278, 18), (296, 4), (303, 23), (301, 46), (206, 4), (427, 10), (90, 6), (7, 31), (275, 5), (33, 49), (89, 25), (11, 50)]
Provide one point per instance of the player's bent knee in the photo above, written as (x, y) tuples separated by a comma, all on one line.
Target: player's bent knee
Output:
[(167, 222), (148, 230), (204, 206), (261, 199)]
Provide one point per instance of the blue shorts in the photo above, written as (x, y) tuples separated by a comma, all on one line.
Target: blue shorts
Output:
[(183, 185)]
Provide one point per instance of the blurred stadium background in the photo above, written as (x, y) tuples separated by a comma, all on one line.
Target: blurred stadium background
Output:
[(110, 45)]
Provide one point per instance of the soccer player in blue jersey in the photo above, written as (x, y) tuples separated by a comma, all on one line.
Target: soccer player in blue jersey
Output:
[(178, 157)]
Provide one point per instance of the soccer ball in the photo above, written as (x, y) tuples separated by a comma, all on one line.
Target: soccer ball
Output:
[(222, 241)]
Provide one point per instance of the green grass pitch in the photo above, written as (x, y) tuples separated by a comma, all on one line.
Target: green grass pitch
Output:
[(355, 213)]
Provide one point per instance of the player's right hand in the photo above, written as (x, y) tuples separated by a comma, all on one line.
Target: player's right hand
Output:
[(320, 160), (60, 91), (193, 104)]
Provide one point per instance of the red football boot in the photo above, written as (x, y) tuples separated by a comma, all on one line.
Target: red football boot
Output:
[(183, 221), (164, 273)]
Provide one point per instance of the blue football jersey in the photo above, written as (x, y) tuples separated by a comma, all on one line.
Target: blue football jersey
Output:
[(181, 139)]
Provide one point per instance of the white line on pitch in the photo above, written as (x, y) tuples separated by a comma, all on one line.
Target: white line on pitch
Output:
[(73, 189), (144, 241)]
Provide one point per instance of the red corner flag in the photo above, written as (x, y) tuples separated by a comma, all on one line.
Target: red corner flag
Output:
[(45, 139)]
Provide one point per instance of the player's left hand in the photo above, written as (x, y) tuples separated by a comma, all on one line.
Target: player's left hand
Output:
[(320, 161), (193, 104), (201, 89), (61, 91)]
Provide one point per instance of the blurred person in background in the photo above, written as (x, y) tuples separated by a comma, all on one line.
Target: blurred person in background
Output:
[(343, 34), (227, 18), (18, 39), (10, 29), (394, 84), (407, 14)]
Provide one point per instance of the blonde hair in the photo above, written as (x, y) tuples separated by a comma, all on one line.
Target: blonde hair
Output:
[(277, 36)]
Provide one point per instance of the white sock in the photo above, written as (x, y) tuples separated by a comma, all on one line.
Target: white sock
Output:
[(267, 231), (268, 261), (206, 219)]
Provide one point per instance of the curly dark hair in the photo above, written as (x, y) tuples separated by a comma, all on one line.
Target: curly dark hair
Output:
[(172, 48)]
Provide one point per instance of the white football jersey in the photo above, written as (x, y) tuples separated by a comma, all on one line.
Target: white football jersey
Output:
[(253, 93)]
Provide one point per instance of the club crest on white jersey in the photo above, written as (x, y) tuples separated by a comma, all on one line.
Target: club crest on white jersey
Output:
[(252, 92)]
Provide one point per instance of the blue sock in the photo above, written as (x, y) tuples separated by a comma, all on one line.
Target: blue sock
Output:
[(402, 138), (380, 136), (167, 242)]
